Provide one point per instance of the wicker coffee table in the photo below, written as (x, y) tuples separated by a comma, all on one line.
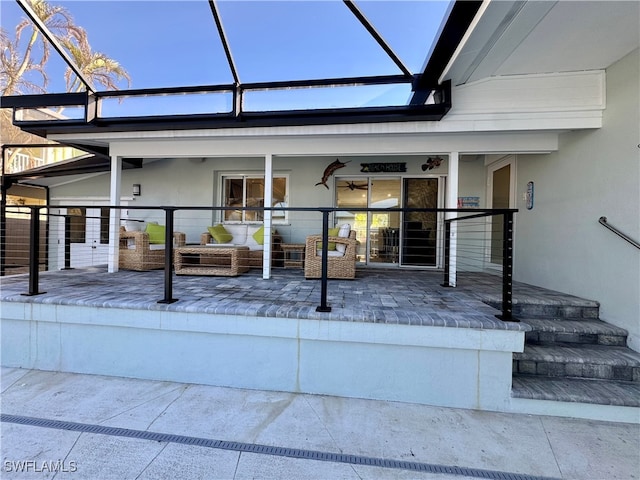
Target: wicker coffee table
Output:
[(211, 260)]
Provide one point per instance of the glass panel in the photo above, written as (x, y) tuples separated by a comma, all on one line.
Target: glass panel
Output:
[(420, 228), (500, 199), (274, 41), (51, 113), (410, 28), (384, 229), (255, 198), (233, 197), (330, 97), (280, 196), (167, 104), (352, 193), (78, 225), (104, 225)]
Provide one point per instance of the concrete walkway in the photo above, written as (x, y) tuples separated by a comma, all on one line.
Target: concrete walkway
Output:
[(94, 427)]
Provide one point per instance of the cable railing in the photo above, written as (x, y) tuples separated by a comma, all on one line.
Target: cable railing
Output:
[(603, 221), (79, 236), (484, 242)]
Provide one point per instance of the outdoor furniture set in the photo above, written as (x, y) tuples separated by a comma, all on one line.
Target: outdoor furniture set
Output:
[(232, 249)]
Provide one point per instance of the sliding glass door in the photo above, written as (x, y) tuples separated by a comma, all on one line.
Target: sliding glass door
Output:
[(389, 237), (378, 232)]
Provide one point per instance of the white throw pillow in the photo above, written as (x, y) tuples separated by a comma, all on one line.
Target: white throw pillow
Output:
[(345, 228)]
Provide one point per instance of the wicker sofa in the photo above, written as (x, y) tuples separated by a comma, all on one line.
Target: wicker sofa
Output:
[(341, 261), (137, 252), (243, 235)]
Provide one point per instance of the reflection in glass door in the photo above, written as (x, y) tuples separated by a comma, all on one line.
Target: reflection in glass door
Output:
[(378, 232), (420, 232)]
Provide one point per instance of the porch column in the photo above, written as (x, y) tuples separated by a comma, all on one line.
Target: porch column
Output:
[(114, 214), (451, 201), (268, 195)]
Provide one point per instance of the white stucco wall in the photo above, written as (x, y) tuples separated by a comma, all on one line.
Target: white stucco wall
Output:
[(196, 182), (559, 243)]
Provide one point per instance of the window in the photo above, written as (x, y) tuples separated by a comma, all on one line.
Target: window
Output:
[(248, 191)]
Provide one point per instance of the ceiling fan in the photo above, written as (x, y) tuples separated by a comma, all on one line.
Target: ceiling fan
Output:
[(354, 186)]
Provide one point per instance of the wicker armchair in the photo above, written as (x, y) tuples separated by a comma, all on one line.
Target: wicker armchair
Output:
[(339, 264), (136, 253)]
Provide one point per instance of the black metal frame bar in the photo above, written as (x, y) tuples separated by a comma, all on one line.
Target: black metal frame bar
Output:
[(507, 255), (56, 44), (378, 38), (34, 252)]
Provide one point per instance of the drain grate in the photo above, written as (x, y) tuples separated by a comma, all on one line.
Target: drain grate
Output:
[(266, 449)]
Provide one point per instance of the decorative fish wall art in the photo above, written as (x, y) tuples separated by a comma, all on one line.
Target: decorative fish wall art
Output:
[(331, 168), (432, 162)]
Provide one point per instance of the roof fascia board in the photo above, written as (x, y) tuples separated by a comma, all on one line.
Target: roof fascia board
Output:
[(390, 143)]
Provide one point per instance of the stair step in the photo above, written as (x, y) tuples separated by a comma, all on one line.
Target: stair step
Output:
[(602, 392), (584, 361), (583, 331), (564, 306)]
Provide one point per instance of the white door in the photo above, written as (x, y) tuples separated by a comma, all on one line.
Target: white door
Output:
[(501, 194), (89, 236)]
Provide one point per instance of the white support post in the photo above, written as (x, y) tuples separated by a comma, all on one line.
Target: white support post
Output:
[(114, 214), (268, 195), (452, 202)]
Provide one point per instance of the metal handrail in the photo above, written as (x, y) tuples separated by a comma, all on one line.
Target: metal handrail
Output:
[(603, 222)]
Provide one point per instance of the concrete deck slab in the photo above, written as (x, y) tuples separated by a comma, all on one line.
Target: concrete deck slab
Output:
[(526, 445)]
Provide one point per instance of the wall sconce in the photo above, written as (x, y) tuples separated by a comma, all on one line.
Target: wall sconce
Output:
[(136, 189)]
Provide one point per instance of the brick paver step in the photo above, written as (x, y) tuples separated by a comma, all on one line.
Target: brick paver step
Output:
[(574, 360), (602, 392), (584, 331)]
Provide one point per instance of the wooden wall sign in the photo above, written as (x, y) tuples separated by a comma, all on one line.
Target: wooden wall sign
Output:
[(383, 167)]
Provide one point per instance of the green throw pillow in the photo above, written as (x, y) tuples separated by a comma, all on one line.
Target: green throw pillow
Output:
[(220, 234), (333, 232), (258, 236), (156, 233)]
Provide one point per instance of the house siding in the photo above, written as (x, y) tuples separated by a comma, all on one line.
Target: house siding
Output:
[(559, 243)]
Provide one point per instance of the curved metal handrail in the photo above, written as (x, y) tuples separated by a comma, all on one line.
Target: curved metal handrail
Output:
[(603, 221)]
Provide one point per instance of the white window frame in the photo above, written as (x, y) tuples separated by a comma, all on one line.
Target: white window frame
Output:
[(276, 219)]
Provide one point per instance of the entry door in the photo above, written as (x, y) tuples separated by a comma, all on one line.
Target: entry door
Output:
[(502, 195), (89, 236)]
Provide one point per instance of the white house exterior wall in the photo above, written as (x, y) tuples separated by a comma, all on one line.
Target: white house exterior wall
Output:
[(559, 243)]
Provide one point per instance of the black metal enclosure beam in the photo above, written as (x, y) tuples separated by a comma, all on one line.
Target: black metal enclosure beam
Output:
[(455, 27), (225, 42), (378, 38), (44, 100), (39, 24)]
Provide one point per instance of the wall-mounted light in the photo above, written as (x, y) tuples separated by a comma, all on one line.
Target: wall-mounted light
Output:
[(136, 189)]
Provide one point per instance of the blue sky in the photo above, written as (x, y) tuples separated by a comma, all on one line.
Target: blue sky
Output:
[(169, 43)]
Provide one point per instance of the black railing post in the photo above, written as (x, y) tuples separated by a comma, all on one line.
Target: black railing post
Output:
[(323, 307), (168, 257), (447, 252), (507, 268), (34, 252), (67, 243)]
